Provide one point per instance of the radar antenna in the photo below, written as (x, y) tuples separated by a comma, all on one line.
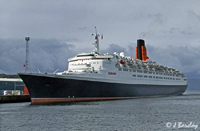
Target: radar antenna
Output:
[(96, 44)]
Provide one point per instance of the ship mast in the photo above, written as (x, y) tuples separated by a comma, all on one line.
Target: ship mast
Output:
[(96, 44)]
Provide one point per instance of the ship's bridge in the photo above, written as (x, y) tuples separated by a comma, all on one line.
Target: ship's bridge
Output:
[(90, 56), (88, 62)]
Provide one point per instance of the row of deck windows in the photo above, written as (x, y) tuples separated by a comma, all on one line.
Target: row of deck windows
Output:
[(149, 72), (85, 63), (140, 71), (156, 77)]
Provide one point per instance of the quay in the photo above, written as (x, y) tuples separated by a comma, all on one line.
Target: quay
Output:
[(14, 98)]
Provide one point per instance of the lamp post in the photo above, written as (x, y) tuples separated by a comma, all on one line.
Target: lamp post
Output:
[(27, 54)]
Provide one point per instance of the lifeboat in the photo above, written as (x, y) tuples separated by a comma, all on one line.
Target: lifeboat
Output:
[(122, 62)]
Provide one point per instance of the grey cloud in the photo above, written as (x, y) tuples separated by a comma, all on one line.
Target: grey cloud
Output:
[(178, 31), (120, 20), (46, 55), (82, 28), (194, 16), (156, 22), (51, 54), (114, 48), (183, 58)]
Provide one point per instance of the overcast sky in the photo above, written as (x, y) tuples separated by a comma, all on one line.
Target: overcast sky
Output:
[(60, 29)]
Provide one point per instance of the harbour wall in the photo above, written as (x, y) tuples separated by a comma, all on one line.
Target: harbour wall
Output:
[(14, 98)]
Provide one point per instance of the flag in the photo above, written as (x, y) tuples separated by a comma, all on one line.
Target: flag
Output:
[(24, 65), (102, 36)]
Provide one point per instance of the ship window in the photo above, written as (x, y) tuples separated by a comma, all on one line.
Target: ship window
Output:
[(150, 72), (145, 76), (139, 71), (134, 70), (150, 76), (120, 69), (134, 75), (139, 75), (145, 71), (130, 70), (85, 55)]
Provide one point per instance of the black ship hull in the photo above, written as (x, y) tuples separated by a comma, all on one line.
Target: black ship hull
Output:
[(49, 89)]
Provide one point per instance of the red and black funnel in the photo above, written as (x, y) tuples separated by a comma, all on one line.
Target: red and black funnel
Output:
[(141, 52)]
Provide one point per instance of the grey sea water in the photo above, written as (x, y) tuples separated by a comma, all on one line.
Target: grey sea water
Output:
[(145, 114)]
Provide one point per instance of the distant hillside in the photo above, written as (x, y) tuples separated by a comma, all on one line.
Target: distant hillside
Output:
[(9, 76)]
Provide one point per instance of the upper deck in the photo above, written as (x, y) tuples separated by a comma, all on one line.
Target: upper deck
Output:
[(90, 56)]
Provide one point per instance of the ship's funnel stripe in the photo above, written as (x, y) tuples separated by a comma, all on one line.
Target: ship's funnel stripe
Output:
[(54, 100), (141, 52)]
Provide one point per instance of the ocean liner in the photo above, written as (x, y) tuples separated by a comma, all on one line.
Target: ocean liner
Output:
[(94, 76)]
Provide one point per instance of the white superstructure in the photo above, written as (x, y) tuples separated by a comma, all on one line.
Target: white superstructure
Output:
[(119, 68)]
